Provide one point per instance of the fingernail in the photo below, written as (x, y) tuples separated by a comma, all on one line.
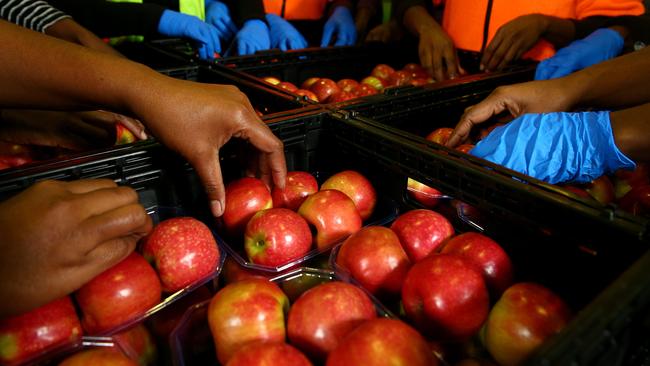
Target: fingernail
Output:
[(216, 207), (481, 67), (143, 135)]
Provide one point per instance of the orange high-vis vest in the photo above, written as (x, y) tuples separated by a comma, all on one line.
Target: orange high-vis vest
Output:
[(296, 9), (464, 20)]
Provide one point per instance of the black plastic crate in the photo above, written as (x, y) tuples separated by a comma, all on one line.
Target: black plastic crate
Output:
[(159, 60)]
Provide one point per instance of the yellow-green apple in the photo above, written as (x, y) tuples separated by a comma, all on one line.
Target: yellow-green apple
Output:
[(348, 85), (487, 255), (524, 317), (440, 135), (138, 344), (374, 82), (364, 90), (183, 250), (244, 197), (308, 94), (118, 295), (382, 71), (298, 186), (250, 310), (637, 200), (625, 180), (123, 135), (601, 189), (445, 296), (382, 342), (465, 148), (375, 258), (290, 87), (267, 354), (25, 336), (422, 193), (323, 88), (421, 232), (357, 187), (308, 83), (102, 356), (276, 236), (341, 308), (271, 80), (333, 214)]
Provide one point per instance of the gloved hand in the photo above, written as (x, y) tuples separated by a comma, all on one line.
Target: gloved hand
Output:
[(599, 46), (217, 14), (283, 35), (556, 147), (175, 24), (254, 36), (341, 24)]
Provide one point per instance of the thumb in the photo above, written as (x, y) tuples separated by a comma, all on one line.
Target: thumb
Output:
[(475, 115)]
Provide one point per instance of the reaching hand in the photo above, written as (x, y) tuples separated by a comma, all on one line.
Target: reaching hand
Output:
[(175, 24), (512, 40), (254, 36), (217, 14), (438, 55), (340, 26), (284, 35)]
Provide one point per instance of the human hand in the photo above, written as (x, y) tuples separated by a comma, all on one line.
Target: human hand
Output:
[(341, 26), (556, 147), (438, 55), (386, 33), (175, 24), (599, 46), (284, 35), (56, 236), (254, 36), (217, 14), (512, 40)]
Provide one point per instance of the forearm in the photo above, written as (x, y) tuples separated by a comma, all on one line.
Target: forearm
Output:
[(558, 31), (71, 31), (417, 20), (631, 128)]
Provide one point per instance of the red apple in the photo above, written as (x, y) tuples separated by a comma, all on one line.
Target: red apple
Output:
[(375, 258), (601, 189), (271, 80), (268, 353), (466, 148), (375, 82), (183, 250), (341, 96), (578, 192), (103, 356), (276, 236), (625, 180), (25, 336), (440, 135), (399, 78), (246, 311), (119, 294), (382, 71), (524, 317), (487, 256), (421, 232), (138, 343), (333, 214), (123, 135), (324, 88), (308, 83), (364, 90), (341, 308), (308, 94), (244, 197), (420, 81), (423, 194), (445, 296), (382, 342), (413, 67), (637, 201), (4, 165), (348, 85), (298, 186), (357, 187), (290, 87), (13, 161)]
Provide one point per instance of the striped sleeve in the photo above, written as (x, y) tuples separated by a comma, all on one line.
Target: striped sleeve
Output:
[(37, 15)]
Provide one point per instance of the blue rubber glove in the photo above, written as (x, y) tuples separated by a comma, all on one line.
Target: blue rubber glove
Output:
[(253, 37), (556, 147), (175, 24), (283, 35), (599, 46), (217, 14), (342, 25)]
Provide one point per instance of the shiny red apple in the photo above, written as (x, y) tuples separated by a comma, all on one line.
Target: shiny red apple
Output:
[(423, 194), (421, 232), (421, 81), (399, 78), (244, 197), (290, 87), (382, 71), (324, 88), (308, 83), (357, 187), (348, 85), (298, 186), (138, 343), (308, 94), (374, 82), (268, 353), (341, 96), (466, 148), (365, 90), (101, 356), (440, 135)]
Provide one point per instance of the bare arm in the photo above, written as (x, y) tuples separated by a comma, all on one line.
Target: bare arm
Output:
[(71, 31), (631, 128)]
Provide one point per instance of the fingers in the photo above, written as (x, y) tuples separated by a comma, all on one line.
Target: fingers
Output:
[(203, 51), (88, 185), (116, 232), (451, 62), (493, 52), (110, 118), (231, 28), (426, 59), (512, 53), (475, 115), (102, 200), (209, 171), (328, 32), (272, 153), (265, 171), (243, 48), (214, 41)]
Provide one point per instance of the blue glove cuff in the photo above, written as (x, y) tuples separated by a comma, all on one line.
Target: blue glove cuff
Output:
[(614, 37)]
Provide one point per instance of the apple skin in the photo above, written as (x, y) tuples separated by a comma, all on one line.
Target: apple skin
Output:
[(348, 85), (421, 232), (382, 71), (250, 310), (123, 135), (138, 343), (420, 81), (382, 342), (375, 258), (163, 322), (324, 88), (244, 197), (271, 80), (183, 250), (524, 317), (413, 67), (374, 82), (423, 194), (399, 78), (487, 256), (268, 353), (341, 308), (276, 236), (465, 148), (298, 186), (333, 214), (308, 83), (578, 192), (365, 90), (601, 189), (233, 272), (625, 180), (104, 356), (26, 335), (290, 87), (446, 297), (357, 187), (341, 96), (308, 94), (440, 135), (637, 201), (131, 287)]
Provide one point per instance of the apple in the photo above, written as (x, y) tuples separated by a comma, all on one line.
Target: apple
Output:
[(244, 197), (233, 272), (333, 214), (341, 96), (446, 297), (101, 356), (382, 71), (250, 310), (375, 258), (123, 135), (268, 353), (578, 192), (357, 187), (308, 83), (12, 161), (295, 286), (399, 78), (374, 82), (271, 80), (637, 201), (341, 308), (324, 88), (420, 81), (348, 85), (138, 343), (440, 135), (276, 236), (290, 87), (364, 90), (297, 187), (308, 94), (413, 67), (4, 165), (382, 342), (27, 335), (466, 148), (119, 294), (601, 189), (421, 232), (524, 317), (422, 193), (163, 322), (625, 180), (487, 256), (183, 250)]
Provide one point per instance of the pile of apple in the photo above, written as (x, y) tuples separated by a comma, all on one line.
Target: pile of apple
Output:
[(446, 284), (182, 250), (275, 226), (323, 90)]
